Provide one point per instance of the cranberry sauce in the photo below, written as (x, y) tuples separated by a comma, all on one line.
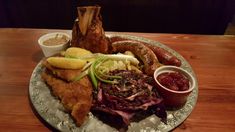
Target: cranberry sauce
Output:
[(174, 81)]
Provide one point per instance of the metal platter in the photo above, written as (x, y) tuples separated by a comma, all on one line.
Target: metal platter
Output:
[(52, 111)]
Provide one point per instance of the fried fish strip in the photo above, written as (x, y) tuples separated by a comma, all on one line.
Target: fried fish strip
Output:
[(76, 97)]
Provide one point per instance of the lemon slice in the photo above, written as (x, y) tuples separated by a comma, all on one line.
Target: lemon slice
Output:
[(80, 53), (66, 63), (76, 52)]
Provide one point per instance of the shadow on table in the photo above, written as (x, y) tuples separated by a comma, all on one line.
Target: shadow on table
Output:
[(37, 56)]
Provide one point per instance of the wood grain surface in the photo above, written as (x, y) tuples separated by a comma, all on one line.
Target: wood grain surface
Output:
[(212, 58)]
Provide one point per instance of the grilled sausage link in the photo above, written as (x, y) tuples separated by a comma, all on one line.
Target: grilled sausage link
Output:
[(142, 52), (163, 55)]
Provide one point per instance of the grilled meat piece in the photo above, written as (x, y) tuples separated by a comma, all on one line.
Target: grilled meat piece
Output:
[(163, 55), (75, 96), (145, 54), (88, 32)]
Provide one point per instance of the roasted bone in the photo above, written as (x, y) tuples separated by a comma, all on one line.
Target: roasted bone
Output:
[(88, 32)]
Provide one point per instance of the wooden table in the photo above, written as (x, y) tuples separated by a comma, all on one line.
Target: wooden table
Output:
[(212, 58)]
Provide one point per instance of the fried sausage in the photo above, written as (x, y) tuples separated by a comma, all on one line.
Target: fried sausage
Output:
[(163, 55), (145, 54)]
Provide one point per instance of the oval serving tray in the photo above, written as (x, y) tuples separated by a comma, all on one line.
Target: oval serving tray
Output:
[(52, 111)]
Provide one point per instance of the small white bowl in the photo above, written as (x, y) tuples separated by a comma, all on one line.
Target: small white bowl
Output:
[(173, 98), (53, 49)]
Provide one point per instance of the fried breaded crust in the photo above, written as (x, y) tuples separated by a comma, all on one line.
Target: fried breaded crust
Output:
[(75, 96)]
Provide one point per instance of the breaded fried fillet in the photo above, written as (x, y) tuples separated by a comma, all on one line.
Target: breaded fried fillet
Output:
[(75, 96)]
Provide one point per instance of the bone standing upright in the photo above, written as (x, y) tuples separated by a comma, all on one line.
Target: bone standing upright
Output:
[(88, 32)]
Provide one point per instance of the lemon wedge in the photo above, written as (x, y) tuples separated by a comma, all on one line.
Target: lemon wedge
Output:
[(80, 53), (66, 63)]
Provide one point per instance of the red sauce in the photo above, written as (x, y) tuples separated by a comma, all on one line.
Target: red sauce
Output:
[(174, 81)]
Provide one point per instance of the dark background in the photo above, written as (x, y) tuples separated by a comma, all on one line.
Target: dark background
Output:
[(162, 16)]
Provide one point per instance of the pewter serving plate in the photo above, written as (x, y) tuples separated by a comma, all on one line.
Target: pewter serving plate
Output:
[(52, 111)]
